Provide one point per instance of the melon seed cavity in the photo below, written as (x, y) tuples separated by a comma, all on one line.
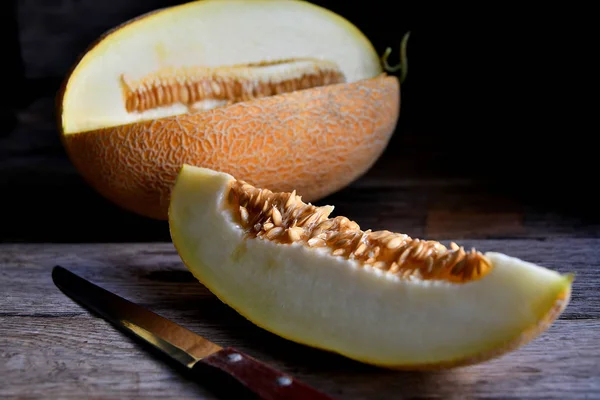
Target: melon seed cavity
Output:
[(284, 218), (226, 85)]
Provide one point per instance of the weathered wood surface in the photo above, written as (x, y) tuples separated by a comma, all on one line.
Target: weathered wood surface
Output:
[(51, 347)]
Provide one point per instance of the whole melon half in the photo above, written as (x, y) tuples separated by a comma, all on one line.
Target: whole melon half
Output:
[(281, 93)]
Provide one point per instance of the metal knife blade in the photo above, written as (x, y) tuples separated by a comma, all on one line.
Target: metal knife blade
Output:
[(180, 344), (176, 341)]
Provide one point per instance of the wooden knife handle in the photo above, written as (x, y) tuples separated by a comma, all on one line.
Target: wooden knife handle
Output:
[(266, 382)]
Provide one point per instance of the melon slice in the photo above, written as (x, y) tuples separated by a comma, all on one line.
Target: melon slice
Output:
[(380, 297), (265, 90)]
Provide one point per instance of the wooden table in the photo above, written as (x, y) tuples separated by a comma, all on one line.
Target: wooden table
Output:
[(51, 347)]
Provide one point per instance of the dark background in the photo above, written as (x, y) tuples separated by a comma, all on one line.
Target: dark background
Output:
[(490, 95)]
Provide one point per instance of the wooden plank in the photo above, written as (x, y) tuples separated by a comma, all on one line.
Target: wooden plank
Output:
[(143, 268), (50, 346), (471, 224), (81, 357)]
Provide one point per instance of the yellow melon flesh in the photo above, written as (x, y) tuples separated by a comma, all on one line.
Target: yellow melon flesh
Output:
[(207, 33), (312, 297)]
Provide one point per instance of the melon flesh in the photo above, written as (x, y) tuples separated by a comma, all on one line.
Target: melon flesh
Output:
[(312, 297), (206, 33)]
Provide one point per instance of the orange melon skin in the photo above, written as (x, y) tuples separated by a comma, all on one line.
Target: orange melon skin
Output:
[(315, 141)]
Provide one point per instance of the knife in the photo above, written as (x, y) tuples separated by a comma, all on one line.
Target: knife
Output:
[(181, 345)]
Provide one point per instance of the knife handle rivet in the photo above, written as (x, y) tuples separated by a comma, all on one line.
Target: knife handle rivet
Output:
[(234, 357), (284, 381)]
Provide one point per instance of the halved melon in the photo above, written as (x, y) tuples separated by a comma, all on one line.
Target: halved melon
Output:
[(378, 297), (282, 93)]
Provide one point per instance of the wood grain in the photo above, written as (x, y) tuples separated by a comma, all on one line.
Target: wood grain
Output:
[(50, 346)]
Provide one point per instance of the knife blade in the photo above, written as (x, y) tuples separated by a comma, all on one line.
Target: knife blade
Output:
[(180, 344)]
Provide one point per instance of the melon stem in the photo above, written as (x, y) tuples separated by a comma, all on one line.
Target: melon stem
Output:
[(402, 66)]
